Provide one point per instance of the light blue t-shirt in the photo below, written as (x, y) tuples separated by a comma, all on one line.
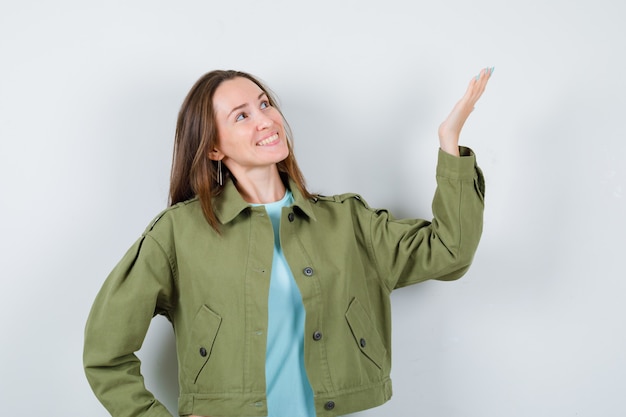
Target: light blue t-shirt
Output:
[(288, 390)]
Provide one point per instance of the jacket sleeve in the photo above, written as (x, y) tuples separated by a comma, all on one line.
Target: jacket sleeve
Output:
[(410, 251), (139, 287)]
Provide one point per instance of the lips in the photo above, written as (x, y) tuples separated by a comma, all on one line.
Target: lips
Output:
[(269, 140)]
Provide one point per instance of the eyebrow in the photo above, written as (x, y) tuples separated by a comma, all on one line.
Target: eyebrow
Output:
[(241, 106)]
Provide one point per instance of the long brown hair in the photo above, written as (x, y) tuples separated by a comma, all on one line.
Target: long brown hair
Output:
[(193, 173)]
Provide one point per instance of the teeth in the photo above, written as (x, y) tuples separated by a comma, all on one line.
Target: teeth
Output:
[(268, 140)]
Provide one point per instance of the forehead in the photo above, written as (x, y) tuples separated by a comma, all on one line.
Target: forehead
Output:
[(235, 92)]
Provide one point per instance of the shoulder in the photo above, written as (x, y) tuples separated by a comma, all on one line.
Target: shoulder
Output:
[(348, 203), (175, 216), (345, 198)]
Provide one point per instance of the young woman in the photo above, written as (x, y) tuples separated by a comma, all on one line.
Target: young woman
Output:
[(279, 298)]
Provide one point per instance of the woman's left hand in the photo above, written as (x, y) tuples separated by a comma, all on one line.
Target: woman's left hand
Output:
[(450, 129)]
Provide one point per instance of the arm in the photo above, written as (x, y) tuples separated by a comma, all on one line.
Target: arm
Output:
[(413, 250), (408, 251), (138, 288)]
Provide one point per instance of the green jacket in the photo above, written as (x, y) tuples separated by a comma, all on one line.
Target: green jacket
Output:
[(346, 259)]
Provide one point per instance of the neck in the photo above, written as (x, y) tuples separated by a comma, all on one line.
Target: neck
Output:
[(261, 187)]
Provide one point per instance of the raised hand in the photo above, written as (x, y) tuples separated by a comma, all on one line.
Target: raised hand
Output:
[(450, 129)]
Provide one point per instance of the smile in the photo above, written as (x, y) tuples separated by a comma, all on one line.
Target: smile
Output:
[(268, 141)]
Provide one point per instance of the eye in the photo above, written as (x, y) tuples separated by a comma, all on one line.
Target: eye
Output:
[(240, 117), (265, 104)]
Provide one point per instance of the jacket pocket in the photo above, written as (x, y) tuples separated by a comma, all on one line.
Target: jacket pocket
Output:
[(206, 325), (364, 333)]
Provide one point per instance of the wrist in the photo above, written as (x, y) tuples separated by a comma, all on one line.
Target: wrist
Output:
[(450, 147)]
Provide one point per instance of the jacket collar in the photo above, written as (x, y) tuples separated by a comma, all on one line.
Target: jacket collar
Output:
[(229, 204)]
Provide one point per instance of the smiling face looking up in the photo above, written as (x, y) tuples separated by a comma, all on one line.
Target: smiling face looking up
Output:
[(251, 133)]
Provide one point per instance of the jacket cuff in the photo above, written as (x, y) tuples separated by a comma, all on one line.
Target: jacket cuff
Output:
[(454, 167)]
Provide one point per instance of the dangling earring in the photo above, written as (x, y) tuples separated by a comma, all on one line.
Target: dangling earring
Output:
[(220, 178)]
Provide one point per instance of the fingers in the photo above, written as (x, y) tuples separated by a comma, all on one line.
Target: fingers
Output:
[(482, 77), (477, 85)]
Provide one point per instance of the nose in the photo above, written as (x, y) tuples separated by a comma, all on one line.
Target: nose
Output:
[(263, 121)]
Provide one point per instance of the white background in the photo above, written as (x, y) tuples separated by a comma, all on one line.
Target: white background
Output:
[(89, 93)]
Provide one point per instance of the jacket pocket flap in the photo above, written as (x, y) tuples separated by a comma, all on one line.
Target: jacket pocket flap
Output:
[(205, 328), (365, 334)]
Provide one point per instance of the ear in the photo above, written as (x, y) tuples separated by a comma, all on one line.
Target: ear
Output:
[(216, 155)]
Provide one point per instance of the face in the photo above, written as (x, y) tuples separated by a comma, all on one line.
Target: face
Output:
[(251, 135)]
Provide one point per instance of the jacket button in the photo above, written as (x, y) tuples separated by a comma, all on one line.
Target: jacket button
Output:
[(329, 405), (317, 336), (362, 342), (202, 352), (290, 216), (308, 271)]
